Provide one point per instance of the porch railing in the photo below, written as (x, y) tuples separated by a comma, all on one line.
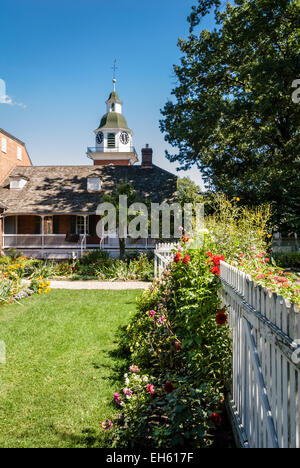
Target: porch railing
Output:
[(58, 241), (33, 241)]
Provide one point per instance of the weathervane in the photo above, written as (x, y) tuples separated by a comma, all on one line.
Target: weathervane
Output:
[(114, 68)]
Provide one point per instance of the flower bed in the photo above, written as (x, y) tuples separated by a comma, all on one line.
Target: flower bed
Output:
[(263, 271), (12, 271), (180, 346), (97, 265)]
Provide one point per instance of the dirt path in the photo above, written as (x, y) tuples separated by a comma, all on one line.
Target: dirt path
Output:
[(109, 285)]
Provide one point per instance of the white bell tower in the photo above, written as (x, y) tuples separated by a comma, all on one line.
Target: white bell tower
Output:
[(113, 137)]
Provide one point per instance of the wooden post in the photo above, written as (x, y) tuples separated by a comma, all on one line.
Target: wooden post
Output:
[(43, 231)]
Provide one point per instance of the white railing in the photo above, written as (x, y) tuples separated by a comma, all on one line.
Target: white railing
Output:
[(33, 241), (163, 255), (58, 241), (265, 399)]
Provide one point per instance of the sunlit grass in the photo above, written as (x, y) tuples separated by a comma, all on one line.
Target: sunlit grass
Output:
[(61, 371)]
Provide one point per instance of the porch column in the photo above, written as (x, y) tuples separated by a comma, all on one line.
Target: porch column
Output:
[(84, 217), (3, 233), (43, 231)]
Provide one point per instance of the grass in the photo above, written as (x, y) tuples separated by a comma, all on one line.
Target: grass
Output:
[(62, 367)]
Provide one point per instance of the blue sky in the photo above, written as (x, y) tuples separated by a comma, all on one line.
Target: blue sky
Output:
[(56, 59)]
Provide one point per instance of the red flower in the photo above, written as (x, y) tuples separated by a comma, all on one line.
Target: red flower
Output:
[(177, 258), (215, 259), (185, 238), (215, 270), (169, 387), (216, 419), (186, 259), (177, 346), (221, 317), (150, 389)]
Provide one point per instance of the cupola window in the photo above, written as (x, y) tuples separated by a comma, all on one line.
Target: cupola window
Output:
[(113, 107), (111, 140)]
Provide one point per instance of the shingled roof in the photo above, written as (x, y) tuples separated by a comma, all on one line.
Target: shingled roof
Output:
[(63, 189)]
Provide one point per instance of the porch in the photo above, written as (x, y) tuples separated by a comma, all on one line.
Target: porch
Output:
[(61, 236)]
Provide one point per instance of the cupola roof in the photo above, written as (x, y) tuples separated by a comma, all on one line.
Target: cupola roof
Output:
[(113, 120)]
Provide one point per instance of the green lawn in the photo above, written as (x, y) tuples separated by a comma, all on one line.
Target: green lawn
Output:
[(57, 385)]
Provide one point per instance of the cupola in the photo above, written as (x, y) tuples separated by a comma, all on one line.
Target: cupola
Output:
[(113, 136)]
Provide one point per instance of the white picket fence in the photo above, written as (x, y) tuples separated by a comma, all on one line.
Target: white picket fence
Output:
[(266, 377), (265, 394), (162, 256)]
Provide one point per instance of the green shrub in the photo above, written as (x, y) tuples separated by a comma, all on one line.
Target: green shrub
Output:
[(235, 229), (287, 259), (95, 257), (5, 260), (87, 270), (13, 254), (63, 269)]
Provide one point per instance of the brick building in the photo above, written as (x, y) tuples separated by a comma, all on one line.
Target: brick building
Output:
[(13, 153)]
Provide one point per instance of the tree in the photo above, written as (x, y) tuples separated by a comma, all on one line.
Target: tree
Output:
[(123, 188), (188, 191), (233, 115)]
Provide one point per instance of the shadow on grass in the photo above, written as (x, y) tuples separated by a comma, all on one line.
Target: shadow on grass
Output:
[(120, 358), (88, 438)]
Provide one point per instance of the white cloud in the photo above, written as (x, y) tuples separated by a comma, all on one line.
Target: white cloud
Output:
[(5, 99)]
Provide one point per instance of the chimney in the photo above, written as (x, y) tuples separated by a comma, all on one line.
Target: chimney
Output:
[(147, 154)]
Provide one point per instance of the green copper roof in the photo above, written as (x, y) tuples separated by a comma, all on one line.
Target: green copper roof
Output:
[(114, 97), (113, 120)]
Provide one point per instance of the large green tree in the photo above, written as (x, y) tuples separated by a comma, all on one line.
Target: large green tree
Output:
[(233, 114)]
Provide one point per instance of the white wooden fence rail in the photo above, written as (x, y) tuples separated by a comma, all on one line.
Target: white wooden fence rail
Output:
[(266, 376), (265, 394)]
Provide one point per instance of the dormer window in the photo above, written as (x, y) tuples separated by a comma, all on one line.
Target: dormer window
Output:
[(94, 184), (17, 183)]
